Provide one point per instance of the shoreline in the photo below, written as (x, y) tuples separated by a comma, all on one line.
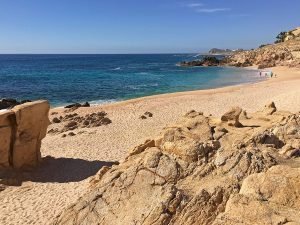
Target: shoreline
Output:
[(276, 70)]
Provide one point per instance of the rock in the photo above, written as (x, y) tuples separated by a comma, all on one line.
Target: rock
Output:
[(71, 134), (206, 61), (191, 141), (244, 115), (219, 132), (142, 147), (105, 121), (74, 105), (73, 121), (269, 109), (86, 104), (232, 117), (186, 177), (56, 120), (8, 103), (77, 105), (270, 198), (7, 120), (143, 117), (71, 124), (31, 127), (149, 114), (192, 114), (64, 135)]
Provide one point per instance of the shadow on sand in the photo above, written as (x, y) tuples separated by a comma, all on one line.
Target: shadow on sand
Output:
[(59, 170)]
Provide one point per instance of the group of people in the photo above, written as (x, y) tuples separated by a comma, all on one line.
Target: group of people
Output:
[(267, 73)]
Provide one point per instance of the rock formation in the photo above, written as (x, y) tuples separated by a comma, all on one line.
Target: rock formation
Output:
[(283, 53), (74, 121), (206, 61), (201, 170), (21, 132), (8, 103)]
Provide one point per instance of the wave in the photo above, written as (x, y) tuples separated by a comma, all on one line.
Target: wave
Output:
[(142, 73), (117, 68), (103, 102)]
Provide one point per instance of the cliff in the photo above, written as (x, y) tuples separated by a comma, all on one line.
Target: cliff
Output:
[(285, 52)]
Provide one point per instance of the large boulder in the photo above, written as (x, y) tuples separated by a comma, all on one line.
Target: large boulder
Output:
[(21, 132), (31, 127), (232, 117), (272, 197), (192, 140)]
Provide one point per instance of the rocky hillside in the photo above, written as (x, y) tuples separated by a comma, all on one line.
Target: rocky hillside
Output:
[(286, 52), (239, 169)]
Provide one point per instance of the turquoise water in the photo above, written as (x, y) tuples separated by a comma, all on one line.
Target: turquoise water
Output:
[(64, 79)]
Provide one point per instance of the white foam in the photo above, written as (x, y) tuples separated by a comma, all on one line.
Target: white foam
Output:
[(102, 102)]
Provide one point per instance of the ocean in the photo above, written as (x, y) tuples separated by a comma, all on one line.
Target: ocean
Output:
[(99, 79)]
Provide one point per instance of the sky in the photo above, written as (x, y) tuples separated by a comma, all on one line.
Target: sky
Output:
[(141, 26)]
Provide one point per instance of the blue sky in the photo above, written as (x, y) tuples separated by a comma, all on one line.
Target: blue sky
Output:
[(141, 26)]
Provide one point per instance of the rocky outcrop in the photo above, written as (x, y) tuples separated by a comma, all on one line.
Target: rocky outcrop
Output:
[(189, 175), (232, 117), (285, 52), (266, 198), (21, 132), (74, 121), (206, 61), (8, 103)]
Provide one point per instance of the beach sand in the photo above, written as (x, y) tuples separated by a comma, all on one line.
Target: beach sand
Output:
[(64, 178)]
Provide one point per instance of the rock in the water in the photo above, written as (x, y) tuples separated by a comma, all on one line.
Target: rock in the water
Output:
[(8, 103), (77, 105)]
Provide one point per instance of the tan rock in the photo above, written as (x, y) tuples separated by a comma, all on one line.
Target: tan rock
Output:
[(266, 198), (191, 178), (6, 132), (232, 117), (191, 141), (31, 127), (142, 147)]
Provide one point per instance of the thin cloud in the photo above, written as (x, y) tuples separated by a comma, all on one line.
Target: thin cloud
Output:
[(213, 10), (194, 5), (239, 15)]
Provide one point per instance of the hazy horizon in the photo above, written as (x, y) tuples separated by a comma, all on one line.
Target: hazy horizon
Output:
[(141, 27)]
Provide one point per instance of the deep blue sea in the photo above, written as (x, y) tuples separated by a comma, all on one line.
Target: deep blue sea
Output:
[(99, 79)]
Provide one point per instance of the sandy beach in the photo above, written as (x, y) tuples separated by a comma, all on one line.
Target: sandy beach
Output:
[(65, 175)]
